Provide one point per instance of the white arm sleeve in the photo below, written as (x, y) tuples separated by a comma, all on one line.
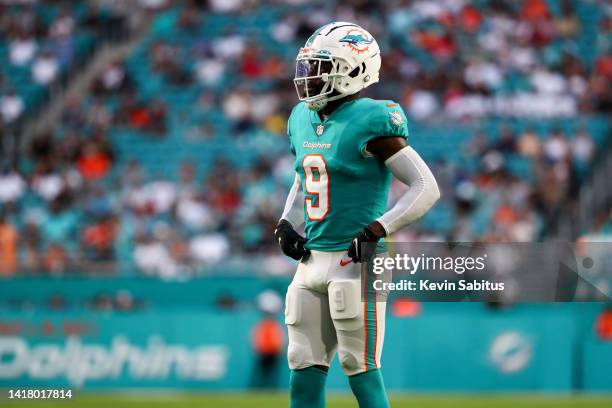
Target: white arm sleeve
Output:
[(294, 206), (408, 167)]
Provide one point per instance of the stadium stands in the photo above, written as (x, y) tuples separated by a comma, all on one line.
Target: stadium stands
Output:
[(41, 44), (176, 157)]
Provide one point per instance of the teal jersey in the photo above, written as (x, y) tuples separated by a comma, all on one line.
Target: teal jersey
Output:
[(344, 187)]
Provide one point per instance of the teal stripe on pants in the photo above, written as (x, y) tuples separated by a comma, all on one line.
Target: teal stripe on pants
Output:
[(370, 322)]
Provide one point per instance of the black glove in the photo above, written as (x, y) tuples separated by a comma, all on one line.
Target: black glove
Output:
[(363, 245), (290, 242)]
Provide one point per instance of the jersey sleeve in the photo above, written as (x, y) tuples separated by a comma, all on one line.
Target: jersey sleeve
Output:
[(291, 145), (386, 119)]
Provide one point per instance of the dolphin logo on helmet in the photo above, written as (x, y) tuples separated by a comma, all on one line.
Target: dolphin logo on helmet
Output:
[(338, 60), (356, 39)]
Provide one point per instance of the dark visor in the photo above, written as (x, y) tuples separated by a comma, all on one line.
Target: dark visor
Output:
[(311, 69)]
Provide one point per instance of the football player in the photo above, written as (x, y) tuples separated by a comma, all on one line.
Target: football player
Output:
[(346, 147)]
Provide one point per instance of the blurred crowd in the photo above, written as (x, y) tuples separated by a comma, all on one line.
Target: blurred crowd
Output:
[(44, 41), (517, 59), (216, 75), (516, 207)]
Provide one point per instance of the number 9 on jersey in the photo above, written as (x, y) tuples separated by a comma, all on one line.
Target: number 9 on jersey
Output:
[(316, 185)]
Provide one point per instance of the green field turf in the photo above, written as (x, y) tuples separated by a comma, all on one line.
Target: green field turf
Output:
[(248, 400)]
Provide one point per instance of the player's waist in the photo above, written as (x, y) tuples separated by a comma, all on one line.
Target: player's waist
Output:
[(331, 247), (336, 235)]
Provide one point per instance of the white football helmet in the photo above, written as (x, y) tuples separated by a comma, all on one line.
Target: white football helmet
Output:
[(339, 56)]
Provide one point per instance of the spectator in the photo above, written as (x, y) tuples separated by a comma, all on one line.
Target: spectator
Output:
[(483, 75), (209, 249), (98, 240), (237, 106), (250, 64), (55, 260), (8, 247), (209, 70), (507, 142), (161, 194), (268, 339), (194, 214), (45, 68), (157, 118), (12, 187), (567, 24), (477, 146), (535, 10), (470, 18), (32, 243), (529, 145), (73, 116), (525, 227), (583, 147), (229, 46), (114, 79), (125, 302), (546, 81), (151, 257), (47, 183), (189, 18), (63, 26), (22, 49), (99, 116), (93, 163), (556, 148), (422, 104), (603, 325), (11, 107), (165, 58), (268, 343), (102, 302)]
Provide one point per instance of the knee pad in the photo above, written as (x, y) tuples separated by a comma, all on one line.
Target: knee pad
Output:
[(348, 362), (296, 356), (345, 304), (292, 305)]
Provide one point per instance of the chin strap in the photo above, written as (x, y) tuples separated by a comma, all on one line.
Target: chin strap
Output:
[(319, 104)]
